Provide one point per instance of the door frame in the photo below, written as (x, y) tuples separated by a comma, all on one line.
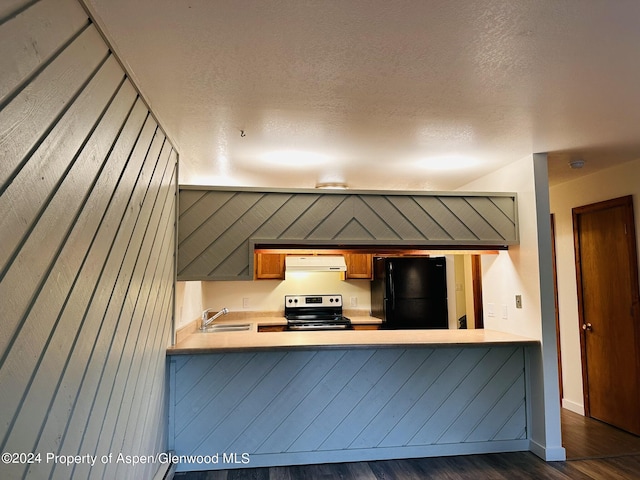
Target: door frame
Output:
[(626, 201), (476, 275)]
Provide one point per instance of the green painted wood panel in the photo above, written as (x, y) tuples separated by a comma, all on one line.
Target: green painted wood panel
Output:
[(336, 405), (218, 227), (87, 242)]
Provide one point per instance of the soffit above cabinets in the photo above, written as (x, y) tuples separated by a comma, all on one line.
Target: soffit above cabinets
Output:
[(218, 229)]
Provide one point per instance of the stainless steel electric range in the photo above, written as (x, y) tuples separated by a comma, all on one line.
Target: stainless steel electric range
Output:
[(315, 312)]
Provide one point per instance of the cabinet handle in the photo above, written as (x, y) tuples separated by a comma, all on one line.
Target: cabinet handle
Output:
[(587, 326)]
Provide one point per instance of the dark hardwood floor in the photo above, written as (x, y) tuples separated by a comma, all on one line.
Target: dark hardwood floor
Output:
[(584, 437), (595, 451)]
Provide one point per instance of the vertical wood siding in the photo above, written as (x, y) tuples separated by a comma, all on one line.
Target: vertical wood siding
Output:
[(87, 241), (320, 406)]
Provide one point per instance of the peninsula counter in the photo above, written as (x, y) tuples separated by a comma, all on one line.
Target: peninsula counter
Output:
[(252, 340), (249, 399)]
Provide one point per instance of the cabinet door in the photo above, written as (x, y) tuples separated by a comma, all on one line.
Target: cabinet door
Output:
[(269, 266), (359, 265)]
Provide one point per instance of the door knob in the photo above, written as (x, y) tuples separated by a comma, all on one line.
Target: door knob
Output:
[(587, 326)]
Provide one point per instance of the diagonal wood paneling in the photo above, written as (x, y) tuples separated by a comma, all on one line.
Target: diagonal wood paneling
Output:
[(203, 247), (300, 405), (67, 74), (217, 227), (87, 242), (399, 214)]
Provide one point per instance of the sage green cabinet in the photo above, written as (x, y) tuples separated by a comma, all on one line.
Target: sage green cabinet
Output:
[(218, 228)]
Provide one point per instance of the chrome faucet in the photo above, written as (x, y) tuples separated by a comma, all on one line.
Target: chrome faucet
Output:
[(206, 322)]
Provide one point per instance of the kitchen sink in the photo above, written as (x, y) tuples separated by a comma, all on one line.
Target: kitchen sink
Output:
[(232, 327)]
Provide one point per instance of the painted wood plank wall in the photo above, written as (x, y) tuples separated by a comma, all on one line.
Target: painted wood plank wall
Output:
[(217, 227), (316, 406), (87, 242)]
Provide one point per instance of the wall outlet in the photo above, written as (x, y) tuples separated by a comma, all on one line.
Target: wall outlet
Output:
[(245, 302), (518, 301), (491, 310), (353, 301), (505, 313)]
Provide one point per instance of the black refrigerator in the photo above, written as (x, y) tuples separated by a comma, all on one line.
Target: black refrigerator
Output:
[(410, 292)]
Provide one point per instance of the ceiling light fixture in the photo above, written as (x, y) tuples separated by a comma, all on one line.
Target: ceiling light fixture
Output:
[(336, 185)]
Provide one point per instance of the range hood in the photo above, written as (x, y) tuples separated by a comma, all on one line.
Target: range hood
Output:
[(315, 263)]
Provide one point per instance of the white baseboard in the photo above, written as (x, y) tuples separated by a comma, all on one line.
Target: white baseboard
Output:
[(364, 455), (548, 454), (573, 406)]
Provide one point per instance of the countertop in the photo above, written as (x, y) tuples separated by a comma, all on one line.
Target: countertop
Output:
[(194, 342)]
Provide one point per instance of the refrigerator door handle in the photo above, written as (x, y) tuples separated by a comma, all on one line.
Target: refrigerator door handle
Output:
[(392, 292)]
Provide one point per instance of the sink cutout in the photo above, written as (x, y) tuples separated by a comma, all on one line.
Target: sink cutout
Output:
[(238, 327)]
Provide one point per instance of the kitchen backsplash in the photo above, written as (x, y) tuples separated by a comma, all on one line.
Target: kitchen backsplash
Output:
[(268, 295), (265, 295)]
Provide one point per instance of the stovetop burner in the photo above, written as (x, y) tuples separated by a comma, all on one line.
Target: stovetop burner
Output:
[(315, 312)]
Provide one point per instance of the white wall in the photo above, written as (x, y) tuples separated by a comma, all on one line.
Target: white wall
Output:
[(614, 182), (526, 270), (188, 302), (514, 271)]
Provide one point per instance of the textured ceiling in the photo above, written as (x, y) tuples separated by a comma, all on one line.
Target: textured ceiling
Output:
[(364, 92)]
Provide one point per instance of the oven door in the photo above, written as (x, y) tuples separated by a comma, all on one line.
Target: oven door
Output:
[(317, 321), (311, 326)]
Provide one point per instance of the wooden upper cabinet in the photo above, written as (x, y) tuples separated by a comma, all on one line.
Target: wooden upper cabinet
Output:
[(269, 266), (359, 265)]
